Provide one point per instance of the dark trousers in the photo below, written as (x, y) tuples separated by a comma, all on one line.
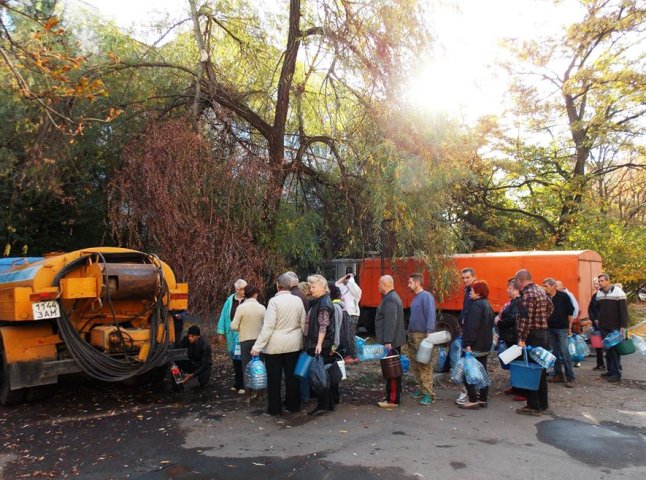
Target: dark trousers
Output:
[(277, 365), (187, 366), (538, 399), (238, 377), (613, 359), (481, 394), (394, 385), (245, 352), (600, 362)]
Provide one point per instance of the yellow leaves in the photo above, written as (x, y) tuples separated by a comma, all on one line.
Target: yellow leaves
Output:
[(51, 23)]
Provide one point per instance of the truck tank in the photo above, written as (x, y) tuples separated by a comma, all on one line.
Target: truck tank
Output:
[(102, 311)]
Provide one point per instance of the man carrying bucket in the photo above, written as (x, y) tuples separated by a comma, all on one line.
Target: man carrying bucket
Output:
[(389, 331), (420, 325), (534, 311)]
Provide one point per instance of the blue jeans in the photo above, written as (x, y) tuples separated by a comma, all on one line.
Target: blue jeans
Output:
[(559, 343)]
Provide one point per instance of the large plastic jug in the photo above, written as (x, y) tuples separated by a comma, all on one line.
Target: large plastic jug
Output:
[(640, 344), (612, 339), (437, 338), (544, 358), (582, 348), (424, 352), (511, 354)]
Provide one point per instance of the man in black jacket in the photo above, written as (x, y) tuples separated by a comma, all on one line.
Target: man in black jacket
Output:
[(559, 328), (199, 360), (389, 330), (613, 315)]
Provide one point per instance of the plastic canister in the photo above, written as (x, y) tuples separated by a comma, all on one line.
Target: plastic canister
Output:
[(640, 344), (511, 354), (424, 352), (437, 338)]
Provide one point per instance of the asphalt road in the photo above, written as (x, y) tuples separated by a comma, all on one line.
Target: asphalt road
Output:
[(97, 431)]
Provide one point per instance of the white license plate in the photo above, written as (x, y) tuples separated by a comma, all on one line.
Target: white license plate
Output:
[(43, 310)]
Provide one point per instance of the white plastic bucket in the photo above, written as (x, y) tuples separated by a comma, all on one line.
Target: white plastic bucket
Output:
[(511, 354), (438, 338), (424, 352), (341, 364)]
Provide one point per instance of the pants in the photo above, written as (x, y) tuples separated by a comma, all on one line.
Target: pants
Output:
[(187, 366), (613, 359), (481, 394), (394, 386), (238, 374), (348, 347), (352, 331), (278, 365), (245, 352), (559, 342), (538, 399), (423, 373), (600, 362)]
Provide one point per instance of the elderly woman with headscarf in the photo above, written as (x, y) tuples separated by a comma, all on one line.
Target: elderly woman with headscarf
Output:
[(318, 337)]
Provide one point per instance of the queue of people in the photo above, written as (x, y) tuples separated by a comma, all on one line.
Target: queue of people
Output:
[(320, 318)]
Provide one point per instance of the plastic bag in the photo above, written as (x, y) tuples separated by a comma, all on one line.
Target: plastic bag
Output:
[(474, 372), (334, 373), (359, 343), (455, 351), (405, 363), (501, 347), (457, 371), (319, 378), (256, 374)]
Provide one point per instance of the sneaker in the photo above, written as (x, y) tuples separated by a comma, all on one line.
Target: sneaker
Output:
[(470, 406), (546, 411), (426, 400), (520, 398), (241, 391), (233, 389), (555, 379), (462, 399), (569, 384), (599, 367), (528, 411), (577, 365), (509, 391), (482, 404), (350, 360), (605, 375), (387, 405), (416, 394), (613, 379)]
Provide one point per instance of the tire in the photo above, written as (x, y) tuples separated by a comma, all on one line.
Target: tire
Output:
[(8, 397)]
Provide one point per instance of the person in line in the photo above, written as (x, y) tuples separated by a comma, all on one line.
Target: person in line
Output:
[(199, 360), (389, 331), (468, 276), (476, 339), (295, 290), (224, 331), (593, 313), (180, 317), (505, 322), (420, 325), (559, 327), (534, 312), (247, 321), (280, 341), (343, 340), (318, 338), (351, 295), (574, 321), (613, 315)]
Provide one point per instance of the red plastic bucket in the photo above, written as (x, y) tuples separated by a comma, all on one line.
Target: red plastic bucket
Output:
[(595, 341)]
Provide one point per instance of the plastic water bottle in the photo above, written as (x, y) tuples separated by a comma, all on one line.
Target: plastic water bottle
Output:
[(541, 356), (640, 344), (176, 373)]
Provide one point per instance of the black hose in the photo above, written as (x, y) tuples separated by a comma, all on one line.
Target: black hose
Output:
[(109, 368)]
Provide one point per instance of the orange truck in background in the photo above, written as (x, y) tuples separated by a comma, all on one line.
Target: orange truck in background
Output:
[(102, 311), (574, 268)]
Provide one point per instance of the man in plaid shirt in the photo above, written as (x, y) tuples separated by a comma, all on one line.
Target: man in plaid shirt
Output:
[(534, 310)]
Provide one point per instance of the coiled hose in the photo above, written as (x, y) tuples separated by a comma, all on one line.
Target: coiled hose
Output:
[(106, 367)]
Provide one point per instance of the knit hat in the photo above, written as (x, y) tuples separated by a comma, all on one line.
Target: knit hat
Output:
[(194, 330)]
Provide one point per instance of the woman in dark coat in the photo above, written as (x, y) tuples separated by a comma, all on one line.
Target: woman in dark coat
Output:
[(477, 337)]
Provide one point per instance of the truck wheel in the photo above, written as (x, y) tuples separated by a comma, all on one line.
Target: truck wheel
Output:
[(7, 396)]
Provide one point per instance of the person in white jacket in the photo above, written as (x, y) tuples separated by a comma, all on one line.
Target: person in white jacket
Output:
[(351, 295), (280, 341)]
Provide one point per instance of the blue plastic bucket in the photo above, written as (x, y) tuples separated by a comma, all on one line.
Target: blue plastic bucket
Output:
[(302, 369), (524, 374)]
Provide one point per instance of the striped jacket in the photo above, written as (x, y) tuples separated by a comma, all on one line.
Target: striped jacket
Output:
[(613, 309)]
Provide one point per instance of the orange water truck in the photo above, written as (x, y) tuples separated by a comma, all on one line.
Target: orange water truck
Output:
[(102, 311)]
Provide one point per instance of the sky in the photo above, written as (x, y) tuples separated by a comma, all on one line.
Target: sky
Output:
[(459, 77)]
